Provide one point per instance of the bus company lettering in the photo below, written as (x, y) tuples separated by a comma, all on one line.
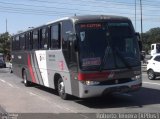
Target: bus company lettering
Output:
[(96, 25), (42, 57), (52, 57)]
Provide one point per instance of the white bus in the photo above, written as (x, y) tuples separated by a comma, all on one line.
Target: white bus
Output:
[(84, 56)]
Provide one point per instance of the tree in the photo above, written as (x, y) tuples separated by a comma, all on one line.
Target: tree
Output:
[(150, 37), (5, 43)]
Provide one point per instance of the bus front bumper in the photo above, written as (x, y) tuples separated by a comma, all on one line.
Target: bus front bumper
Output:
[(87, 91)]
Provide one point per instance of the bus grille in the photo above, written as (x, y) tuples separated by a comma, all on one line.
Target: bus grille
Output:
[(115, 81)]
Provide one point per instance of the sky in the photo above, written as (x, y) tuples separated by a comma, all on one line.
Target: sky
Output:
[(22, 14)]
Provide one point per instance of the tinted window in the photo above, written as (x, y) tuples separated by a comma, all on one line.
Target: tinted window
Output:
[(55, 37), (13, 43), (158, 48), (44, 38), (157, 58), (35, 39), (27, 36), (22, 42), (67, 28), (17, 43), (107, 45), (30, 41)]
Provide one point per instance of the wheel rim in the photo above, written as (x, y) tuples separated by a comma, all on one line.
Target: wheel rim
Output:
[(61, 88), (150, 74)]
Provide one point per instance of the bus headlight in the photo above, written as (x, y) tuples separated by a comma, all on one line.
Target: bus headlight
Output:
[(137, 77), (90, 82)]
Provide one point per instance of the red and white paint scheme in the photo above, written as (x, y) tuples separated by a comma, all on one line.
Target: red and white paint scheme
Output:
[(84, 56)]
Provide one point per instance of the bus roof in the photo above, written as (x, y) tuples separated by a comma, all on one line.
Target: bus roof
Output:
[(91, 18), (98, 17), (81, 19)]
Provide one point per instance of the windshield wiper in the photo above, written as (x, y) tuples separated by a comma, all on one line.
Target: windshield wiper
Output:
[(103, 62), (122, 58), (108, 49)]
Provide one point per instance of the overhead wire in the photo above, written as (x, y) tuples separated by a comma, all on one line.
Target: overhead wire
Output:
[(46, 10)]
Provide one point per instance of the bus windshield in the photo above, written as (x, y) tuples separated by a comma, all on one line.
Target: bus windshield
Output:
[(106, 46)]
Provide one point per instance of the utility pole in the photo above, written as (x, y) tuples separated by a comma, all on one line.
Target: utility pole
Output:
[(141, 18), (135, 14), (6, 26)]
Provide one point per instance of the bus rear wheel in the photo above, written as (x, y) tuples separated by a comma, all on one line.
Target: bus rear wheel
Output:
[(61, 89), (25, 80)]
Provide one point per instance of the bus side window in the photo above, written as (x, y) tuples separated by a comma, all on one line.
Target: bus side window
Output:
[(22, 42), (67, 43), (44, 38), (67, 27), (30, 41), (13, 43), (55, 36), (17, 43), (27, 41), (35, 39)]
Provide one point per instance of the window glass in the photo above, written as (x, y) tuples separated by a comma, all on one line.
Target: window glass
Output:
[(17, 43), (44, 38), (13, 43), (67, 27), (107, 45), (158, 48), (55, 37), (35, 39), (157, 58), (30, 41), (27, 41), (22, 42)]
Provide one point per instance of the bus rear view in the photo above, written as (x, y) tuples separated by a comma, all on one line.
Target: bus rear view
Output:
[(109, 59)]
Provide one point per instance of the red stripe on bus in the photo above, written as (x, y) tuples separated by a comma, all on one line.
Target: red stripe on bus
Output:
[(93, 76), (30, 69)]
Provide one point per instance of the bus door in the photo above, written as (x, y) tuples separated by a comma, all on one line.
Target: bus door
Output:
[(68, 47)]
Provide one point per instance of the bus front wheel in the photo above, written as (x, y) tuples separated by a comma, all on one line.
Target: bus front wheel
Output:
[(61, 89)]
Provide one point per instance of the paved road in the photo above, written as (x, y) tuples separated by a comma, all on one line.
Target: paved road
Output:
[(16, 98)]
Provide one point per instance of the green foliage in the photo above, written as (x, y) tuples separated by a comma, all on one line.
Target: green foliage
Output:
[(5, 43), (150, 37)]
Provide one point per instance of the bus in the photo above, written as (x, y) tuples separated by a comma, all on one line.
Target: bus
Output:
[(83, 56)]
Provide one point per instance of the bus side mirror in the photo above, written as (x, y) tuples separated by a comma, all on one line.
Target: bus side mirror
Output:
[(75, 44), (139, 40), (73, 38), (138, 35), (140, 45)]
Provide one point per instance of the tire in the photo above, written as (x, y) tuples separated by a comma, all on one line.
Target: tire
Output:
[(25, 80), (151, 74), (61, 89)]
